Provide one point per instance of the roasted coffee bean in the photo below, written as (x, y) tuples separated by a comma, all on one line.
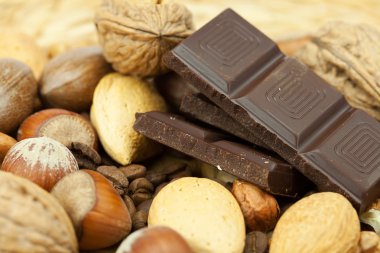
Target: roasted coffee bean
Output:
[(130, 205), (133, 171), (141, 183), (140, 197), (86, 156), (155, 178), (139, 220), (118, 179), (145, 205)]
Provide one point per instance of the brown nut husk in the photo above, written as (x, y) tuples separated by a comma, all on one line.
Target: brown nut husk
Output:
[(158, 239), (114, 120), (18, 92), (69, 79), (136, 34), (347, 57), (260, 209), (32, 216), (322, 222), (98, 213), (42, 160)]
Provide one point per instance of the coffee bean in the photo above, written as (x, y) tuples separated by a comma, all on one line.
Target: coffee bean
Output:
[(118, 179), (133, 171), (86, 156)]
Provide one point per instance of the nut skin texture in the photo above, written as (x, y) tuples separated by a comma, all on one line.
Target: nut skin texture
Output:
[(30, 126), (69, 79), (114, 121), (6, 142), (105, 220), (322, 222), (260, 209), (32, 216), (18, 93), (157, 239), (42, 160), (74, 128)]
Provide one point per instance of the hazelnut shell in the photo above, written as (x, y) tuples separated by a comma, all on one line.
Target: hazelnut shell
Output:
[(59, 124), (41, 160), (69, 79), (260, 209), (98, 213), (18, 93), (157, 239)]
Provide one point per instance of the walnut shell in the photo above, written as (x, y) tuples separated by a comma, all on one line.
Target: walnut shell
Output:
[(347, 57), (18, 92), (32, 220), (320, 223), (135, 35), (117, 99)]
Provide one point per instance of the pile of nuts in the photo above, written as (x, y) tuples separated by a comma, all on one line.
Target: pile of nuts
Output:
[(75, 176)]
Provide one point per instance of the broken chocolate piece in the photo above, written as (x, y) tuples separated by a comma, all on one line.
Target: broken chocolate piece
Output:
[(284, 103), (199, 107), (268, 173)]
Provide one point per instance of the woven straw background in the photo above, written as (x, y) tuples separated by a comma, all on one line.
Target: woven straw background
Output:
[(61, 24)]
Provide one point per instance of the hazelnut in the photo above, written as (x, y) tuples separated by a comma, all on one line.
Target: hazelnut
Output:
[(32, 220), (114, 121), (260, 209), (6, 142), (98, 213), (18, 93), (41, 160), (59, 124), (69, 79), (157, 239)]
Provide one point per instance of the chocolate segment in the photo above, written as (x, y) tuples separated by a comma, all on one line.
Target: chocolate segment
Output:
[(268, 173), (285, 104), (199, 107)]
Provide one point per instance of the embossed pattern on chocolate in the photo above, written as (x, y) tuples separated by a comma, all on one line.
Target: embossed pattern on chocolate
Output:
[(285, 104)]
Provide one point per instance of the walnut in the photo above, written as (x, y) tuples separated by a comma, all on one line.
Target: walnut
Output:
[(347, 57), (136, 34)]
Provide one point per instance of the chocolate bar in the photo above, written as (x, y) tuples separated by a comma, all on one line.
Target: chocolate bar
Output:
[(210, 146), (199, 107), (288, 106)]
